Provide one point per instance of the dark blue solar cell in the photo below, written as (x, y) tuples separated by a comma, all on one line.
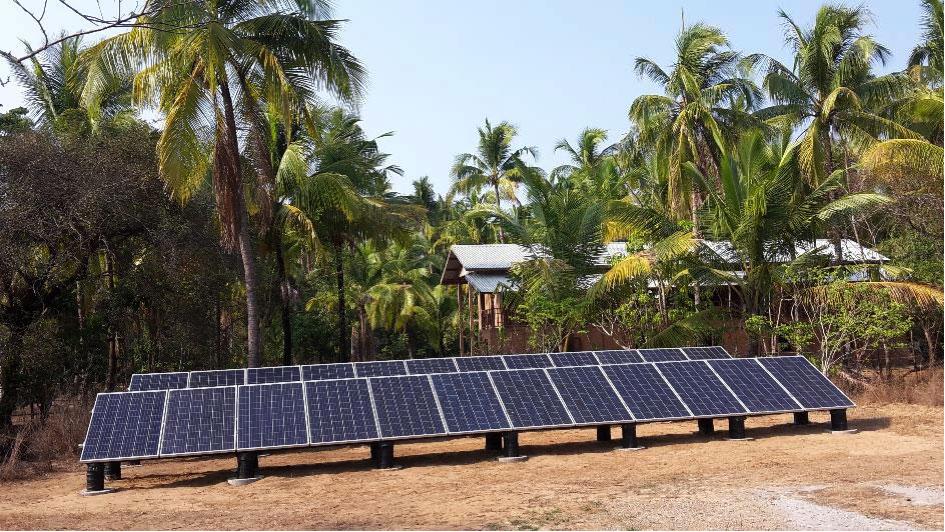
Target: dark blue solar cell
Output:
[(480, 363), (615, 356), (706, 353), (700, 389), (380, 368), (271, 416), (406, 406), (662, 355), (753, 385), (428, 366), (578, 358), (340, 411), (588, 395), (645, 392), (321, 372), (143, 382), (530, 399), (809, 386), (200, 421), (469, 402), (124, 425), (217, 377), (273, 374), (527, 361)]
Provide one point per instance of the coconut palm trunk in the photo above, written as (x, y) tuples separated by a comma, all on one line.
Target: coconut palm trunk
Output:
[(344, 335), (232, 200), (498, 206)]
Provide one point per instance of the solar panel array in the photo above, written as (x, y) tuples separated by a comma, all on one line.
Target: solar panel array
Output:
[(151, 424), (418, 366)]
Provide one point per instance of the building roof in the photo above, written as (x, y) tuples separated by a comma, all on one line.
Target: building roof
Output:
[(485, 266)]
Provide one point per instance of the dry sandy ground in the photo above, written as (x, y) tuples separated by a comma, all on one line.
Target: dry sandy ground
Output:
[(888, 476)]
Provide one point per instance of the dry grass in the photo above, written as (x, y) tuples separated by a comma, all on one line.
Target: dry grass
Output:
[(37, 447), (926, 387)]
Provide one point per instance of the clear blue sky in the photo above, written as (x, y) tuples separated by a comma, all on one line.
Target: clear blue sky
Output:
[(437, 69)]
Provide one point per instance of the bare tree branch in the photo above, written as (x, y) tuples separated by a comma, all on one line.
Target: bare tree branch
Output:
[(136, 18)]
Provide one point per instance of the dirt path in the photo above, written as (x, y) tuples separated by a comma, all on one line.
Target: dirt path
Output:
[(888, 476)]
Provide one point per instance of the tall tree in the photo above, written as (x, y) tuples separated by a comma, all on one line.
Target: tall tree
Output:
[(704, 104), (831, 92), (495, 164), (196, 78), (925, 61)]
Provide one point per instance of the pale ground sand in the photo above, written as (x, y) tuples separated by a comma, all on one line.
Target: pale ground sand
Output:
[(888, 476)]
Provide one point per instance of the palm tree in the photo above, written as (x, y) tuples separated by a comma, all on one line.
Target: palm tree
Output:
[(704, 104), (759, 210), (831, 92), (53, 82), (495, 164), (925, 61), (284, 49), (587, 156)]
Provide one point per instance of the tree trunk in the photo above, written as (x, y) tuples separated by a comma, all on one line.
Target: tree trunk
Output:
[(111, 373), (697, 234), (252, 284), (285, 298), (344, 336), (241, 229), (498, 206), (10, 365)]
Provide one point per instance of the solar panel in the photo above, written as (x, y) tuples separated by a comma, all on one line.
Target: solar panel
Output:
[(271, 416), (319, 372), (428, 366), (530, 399), (124, 426), (706, 353), (142, 382), (662, 355), (200, 421), (753, 385), (700, 389), (469, 402), (480, 363), (578, 358), (645, 392), (273, 374), (809, 386), (340, 411), (217, 377), (380, 368), (527, 361), (629, 356), (406, 407), (588, 395)]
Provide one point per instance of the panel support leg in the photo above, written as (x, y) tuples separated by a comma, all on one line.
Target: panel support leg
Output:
[(375, 454), (510, 448), (247, 465), (838, 422), (113, 470), (95, 479), (628, 437), (706, 427), (494, 441), (736, 428), (385, 459), (603, 433), (801, 418)]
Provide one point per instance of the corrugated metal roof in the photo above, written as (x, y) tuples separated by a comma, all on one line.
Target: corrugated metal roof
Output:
[(852, 252), (490, 256), (486, 283), (485, 266)]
